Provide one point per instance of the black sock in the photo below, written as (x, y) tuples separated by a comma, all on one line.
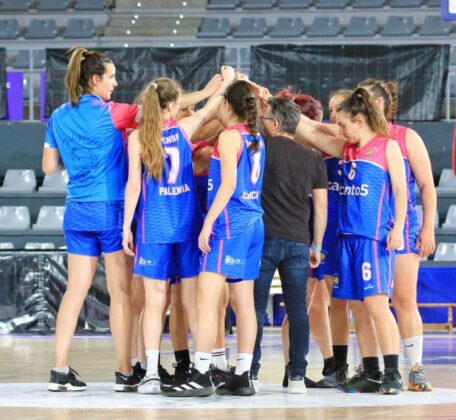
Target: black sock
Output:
[(391, 361), (182, 358), (340, 356), (328, 367), (371, 364)]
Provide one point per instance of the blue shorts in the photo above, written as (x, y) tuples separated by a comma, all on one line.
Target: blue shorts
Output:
[(165, 261), (366, 268), (410, 238), (93, 243), (237, 258), (329, 262)]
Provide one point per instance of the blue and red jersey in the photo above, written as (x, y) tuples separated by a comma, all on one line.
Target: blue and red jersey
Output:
[(334, 183), (89, 139), (366, 208), (201, 179), (244, 206), (169, 208)]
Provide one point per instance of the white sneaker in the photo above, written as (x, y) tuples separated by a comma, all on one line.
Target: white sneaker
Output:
[(255, 382), (296, 384), (150, 384)]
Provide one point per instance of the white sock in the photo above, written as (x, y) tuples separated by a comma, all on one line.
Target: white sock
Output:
[(202, 361), (152, 361), (144, 365), (244, 361), (219, 359), (413, 349), (64, 370), (134, 360)]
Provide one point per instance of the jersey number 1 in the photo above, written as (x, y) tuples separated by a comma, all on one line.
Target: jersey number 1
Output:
[(173, 154)]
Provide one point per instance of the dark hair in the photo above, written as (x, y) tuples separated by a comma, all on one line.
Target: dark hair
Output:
[(241, 96), (310, 107), (385, 90), (82, 66), (362, 102), (287, 113)]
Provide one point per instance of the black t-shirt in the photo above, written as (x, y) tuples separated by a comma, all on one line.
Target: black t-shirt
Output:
[(292, 171)]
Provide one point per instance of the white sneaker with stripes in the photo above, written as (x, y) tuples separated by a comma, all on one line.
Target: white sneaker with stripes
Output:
[(197, 384), (150, 384)]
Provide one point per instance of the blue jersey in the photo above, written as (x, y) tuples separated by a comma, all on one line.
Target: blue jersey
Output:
[(365, 194), (201, 191), (89, 139), (334, 181), (169, 208), (244, 206)]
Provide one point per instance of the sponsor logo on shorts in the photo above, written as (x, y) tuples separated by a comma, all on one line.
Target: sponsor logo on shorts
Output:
[(145, 261), (336, 281), (229, 260)]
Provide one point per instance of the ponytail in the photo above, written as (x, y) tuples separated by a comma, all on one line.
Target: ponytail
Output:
[(362, 102), (251, 116), (386, 91), (391, 86)]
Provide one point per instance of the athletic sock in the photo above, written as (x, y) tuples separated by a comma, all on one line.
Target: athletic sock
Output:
[(371, 364), (144, 365), (244, 362), (413, 349), (340, 356), (219, 359), (328, 366), (152, 361), (182, 358), (202, 361), (65, 370), (391, 361)]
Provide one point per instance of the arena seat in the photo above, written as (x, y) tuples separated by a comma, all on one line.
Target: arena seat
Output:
[(450, 221), (6, 245), (331, 4), (52, 5), (295, 4), (222, 4), (214, 28), (54, 183), (42, 29), (434, 26), (79, 28), (50, 218), (361, 27), (89, 5), (251, 28), (399, 26), (447, 182), (287, 28), (258, 4), (446, 251), (9, 29), (434, 3), (15, 5), (19, 181), (39, 245), (324, 27), (412, 4), (14, 218), (368, 4)]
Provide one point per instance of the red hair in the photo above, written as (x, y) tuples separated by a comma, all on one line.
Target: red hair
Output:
[(310, 107)]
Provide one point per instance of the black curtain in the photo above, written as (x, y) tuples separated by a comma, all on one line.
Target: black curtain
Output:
[(3, 83)]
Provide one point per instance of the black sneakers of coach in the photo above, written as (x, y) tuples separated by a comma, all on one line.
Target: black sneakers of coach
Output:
[(196, 384), (126, 383), (65, 381), (240, 385)]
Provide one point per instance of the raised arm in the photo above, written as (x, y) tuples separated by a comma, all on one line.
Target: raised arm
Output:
[(192, 98)]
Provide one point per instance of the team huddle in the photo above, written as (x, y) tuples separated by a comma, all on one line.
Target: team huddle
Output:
[(189, 209)]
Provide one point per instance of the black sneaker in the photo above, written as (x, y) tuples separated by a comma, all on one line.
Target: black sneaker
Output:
[(138, 370), (165, 378), (181, 373), (363, 381), (341, 374), (392, 382), (220, 376), (236, 385), (65, 382), (126, 383), (309, 383), (196, 384)]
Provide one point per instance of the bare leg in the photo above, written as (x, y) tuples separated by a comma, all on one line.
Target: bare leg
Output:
[(223, 303), (365, 329), (189, 291), (137, 306), (178, 325)]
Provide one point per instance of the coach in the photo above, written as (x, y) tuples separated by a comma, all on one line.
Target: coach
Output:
[(292, 173)]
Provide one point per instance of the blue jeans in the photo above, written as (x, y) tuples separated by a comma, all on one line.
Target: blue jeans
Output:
[(292, 260)]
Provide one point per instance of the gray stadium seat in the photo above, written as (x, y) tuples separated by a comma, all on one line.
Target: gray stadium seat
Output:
[(6, 245), (88, 5), (434, 3), (361, 26), (42, 29), (15, 5), (19, 181), (9, 29), (419, 214), (52, 5), (79, 28), (324, 27), (258, 4), (22, 60), (446, 251), (54, 183), (50, 218), (450, 221), (434, 26), (251, 28), (368, 4), (331, 4), (412, 4), (39, 245), (399, 26), (295, 4), (287, 28), (447, 182), (214, 28), (14, 218), (222, 4)]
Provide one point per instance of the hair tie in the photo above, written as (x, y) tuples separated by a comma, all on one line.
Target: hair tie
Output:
[(154, 85)]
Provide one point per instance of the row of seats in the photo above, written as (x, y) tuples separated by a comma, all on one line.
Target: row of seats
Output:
[(5, 246), (51, 5), (319, 4), (450, 220), (47, 29), (293, 27), (17, 219), (19, 181)]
